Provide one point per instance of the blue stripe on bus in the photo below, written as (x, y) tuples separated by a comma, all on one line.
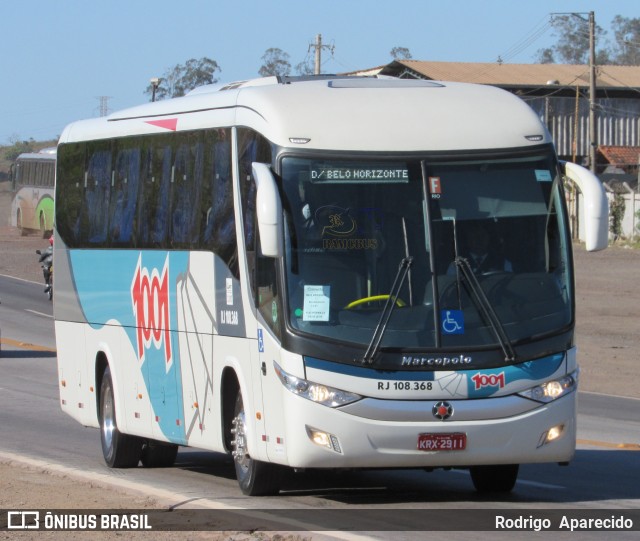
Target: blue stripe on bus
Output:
[(363, 372)]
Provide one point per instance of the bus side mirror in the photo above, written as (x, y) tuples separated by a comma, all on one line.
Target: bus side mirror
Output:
[(596, 206), (268, 210)]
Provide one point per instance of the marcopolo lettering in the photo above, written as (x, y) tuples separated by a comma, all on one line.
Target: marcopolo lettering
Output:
[(408, 360)]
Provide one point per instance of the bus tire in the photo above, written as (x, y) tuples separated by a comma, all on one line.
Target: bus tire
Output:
[(43, 226), (119, 450), (255, 478), (19, 225), (156, 454), (499, 478)]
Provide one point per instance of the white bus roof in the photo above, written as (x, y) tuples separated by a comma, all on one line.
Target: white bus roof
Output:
[(49, 153), (339, 113)]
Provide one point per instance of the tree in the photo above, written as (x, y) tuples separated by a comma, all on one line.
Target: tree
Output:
[(572, 45), (305, 67), (182, 78), (400, 53), (18, 147), (626, 49), (275, 62), (616, 214)]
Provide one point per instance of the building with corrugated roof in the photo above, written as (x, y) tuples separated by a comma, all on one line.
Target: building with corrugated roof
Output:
[(559, 93)]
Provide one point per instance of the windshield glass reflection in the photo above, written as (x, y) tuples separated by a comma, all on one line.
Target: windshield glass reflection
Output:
[(350, 224)]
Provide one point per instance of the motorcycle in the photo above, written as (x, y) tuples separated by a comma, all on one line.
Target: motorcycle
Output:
[(46, 262)]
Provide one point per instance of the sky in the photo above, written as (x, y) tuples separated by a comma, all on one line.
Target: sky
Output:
[(60, 57)]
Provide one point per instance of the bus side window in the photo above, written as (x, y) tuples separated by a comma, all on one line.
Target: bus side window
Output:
[(218, 222), (252, 147), (124, 195), (159, 198), (97, 194), (70, 200), (187, 182)]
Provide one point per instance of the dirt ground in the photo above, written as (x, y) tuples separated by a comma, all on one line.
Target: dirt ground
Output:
[(608, 339)]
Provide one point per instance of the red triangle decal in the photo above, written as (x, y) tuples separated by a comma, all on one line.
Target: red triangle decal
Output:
[(167, 124)]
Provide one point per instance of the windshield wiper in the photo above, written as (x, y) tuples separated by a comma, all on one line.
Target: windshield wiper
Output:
[(392, 299), (486, 308)]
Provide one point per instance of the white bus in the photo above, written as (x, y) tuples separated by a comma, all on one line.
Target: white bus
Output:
[(277, 269), (32, 178)]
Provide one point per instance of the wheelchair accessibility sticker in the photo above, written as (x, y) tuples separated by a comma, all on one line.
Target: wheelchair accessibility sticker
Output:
[(452, 321)]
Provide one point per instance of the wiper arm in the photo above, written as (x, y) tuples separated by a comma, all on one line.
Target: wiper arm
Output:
[(487, 309), (380, 329)]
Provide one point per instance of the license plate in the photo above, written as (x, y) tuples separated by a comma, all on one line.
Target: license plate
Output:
[(456, 441)]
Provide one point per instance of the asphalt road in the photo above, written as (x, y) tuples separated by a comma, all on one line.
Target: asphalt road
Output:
[(604, 474)]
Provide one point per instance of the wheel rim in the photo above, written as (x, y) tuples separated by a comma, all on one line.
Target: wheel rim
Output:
[(108, 418), (239, 443)]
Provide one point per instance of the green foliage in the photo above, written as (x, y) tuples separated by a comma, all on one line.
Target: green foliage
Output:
[(10, 153), (572, 44), (616, 214), (627, 39), (275, 62), (400, 53), (306, 67), (182, 78)]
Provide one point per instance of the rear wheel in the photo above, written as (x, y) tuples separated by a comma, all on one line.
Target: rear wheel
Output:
[(119, 450), (500, 478), (43, 226), (22, 230), (254, 477)]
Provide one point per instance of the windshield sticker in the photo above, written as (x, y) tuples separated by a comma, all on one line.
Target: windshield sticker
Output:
[(341, 231), (435, 187), (338, 222), (543, 175), (452, 321), (260, 341), (316, 303)]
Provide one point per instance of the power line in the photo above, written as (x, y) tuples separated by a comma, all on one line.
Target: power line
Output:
[(534, 35)]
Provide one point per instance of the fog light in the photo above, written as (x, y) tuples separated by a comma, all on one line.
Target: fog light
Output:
[(324, 439), (551, 435)]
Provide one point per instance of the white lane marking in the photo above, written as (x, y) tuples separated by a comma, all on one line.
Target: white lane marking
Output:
[(38, 313)]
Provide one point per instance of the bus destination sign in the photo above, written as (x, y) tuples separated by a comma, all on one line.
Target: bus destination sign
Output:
[(378, 173)]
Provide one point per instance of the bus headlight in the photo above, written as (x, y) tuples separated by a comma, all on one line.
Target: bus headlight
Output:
[(321, 394), (551, 390)]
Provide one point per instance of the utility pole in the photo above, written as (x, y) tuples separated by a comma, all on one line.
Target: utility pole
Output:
[(593, 132), (318, 50), (592, 92)]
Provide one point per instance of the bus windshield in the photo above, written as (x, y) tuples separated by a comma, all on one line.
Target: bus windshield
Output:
[(486, 241)]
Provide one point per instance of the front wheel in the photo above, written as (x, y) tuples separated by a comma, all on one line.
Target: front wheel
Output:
[(254, 477), (501, 478), (119, 450)]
